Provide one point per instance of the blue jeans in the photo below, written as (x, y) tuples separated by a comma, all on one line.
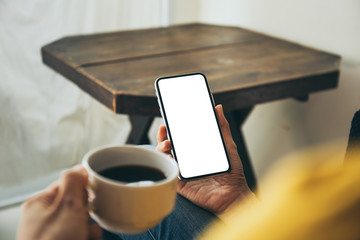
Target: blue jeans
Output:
[(186, 221)]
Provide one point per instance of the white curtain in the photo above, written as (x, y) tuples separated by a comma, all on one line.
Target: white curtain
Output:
[(47, 123)]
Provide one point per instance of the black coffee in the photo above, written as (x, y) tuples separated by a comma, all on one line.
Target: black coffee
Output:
[(133, 173)]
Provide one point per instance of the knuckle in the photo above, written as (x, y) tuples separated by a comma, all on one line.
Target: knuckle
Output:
[(72, 203), (28, 203), (68, 202), (31, 200)]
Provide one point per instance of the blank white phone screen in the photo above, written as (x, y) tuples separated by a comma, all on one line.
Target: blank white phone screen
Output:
[(192, 125)]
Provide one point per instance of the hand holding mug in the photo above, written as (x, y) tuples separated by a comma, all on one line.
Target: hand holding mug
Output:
[(123, 201)]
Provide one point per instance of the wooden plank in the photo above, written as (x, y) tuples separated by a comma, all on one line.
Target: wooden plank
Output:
[(239, 99), (111, 47), (230, 70), (247, 97), (257, 63)]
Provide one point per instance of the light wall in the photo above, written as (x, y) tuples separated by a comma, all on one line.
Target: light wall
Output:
[(274, 129)]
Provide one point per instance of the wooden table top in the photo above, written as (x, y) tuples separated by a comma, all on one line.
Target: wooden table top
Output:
[(243, 67)]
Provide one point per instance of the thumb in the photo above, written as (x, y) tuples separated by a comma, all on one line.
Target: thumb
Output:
[(72, 186), (224, 124)]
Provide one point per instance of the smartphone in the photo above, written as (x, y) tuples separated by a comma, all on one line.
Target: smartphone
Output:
[(188, 110)]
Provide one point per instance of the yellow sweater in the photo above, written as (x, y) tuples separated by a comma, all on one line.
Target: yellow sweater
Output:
[(311, 196)]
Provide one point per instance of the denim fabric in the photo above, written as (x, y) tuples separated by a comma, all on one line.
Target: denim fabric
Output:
[(186, 222)]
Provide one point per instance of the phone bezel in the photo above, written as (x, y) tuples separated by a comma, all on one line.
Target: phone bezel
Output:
[(163, 113)]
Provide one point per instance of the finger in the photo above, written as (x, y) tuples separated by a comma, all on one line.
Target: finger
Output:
[(164, 147), (162, 135), (224, 124), (72, 186), (79, 169), (95, 232), (49, 194), (45, 198), (225, 129)]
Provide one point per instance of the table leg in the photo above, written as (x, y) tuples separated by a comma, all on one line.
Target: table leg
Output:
[(303, 98), (140, 126), (236, 119)]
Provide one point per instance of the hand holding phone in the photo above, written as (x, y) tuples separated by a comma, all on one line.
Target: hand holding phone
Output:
[(187, 108), (218, 192)]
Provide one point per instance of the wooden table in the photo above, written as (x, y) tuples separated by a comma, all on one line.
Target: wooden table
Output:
[(244, 68)]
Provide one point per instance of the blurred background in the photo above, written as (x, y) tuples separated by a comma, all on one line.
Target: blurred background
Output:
[(47, 123)]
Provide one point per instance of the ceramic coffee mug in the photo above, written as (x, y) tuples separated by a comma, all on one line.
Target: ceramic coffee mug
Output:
[(124, 207)]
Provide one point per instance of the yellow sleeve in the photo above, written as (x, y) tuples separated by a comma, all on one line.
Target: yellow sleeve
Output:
[(311, 196)]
